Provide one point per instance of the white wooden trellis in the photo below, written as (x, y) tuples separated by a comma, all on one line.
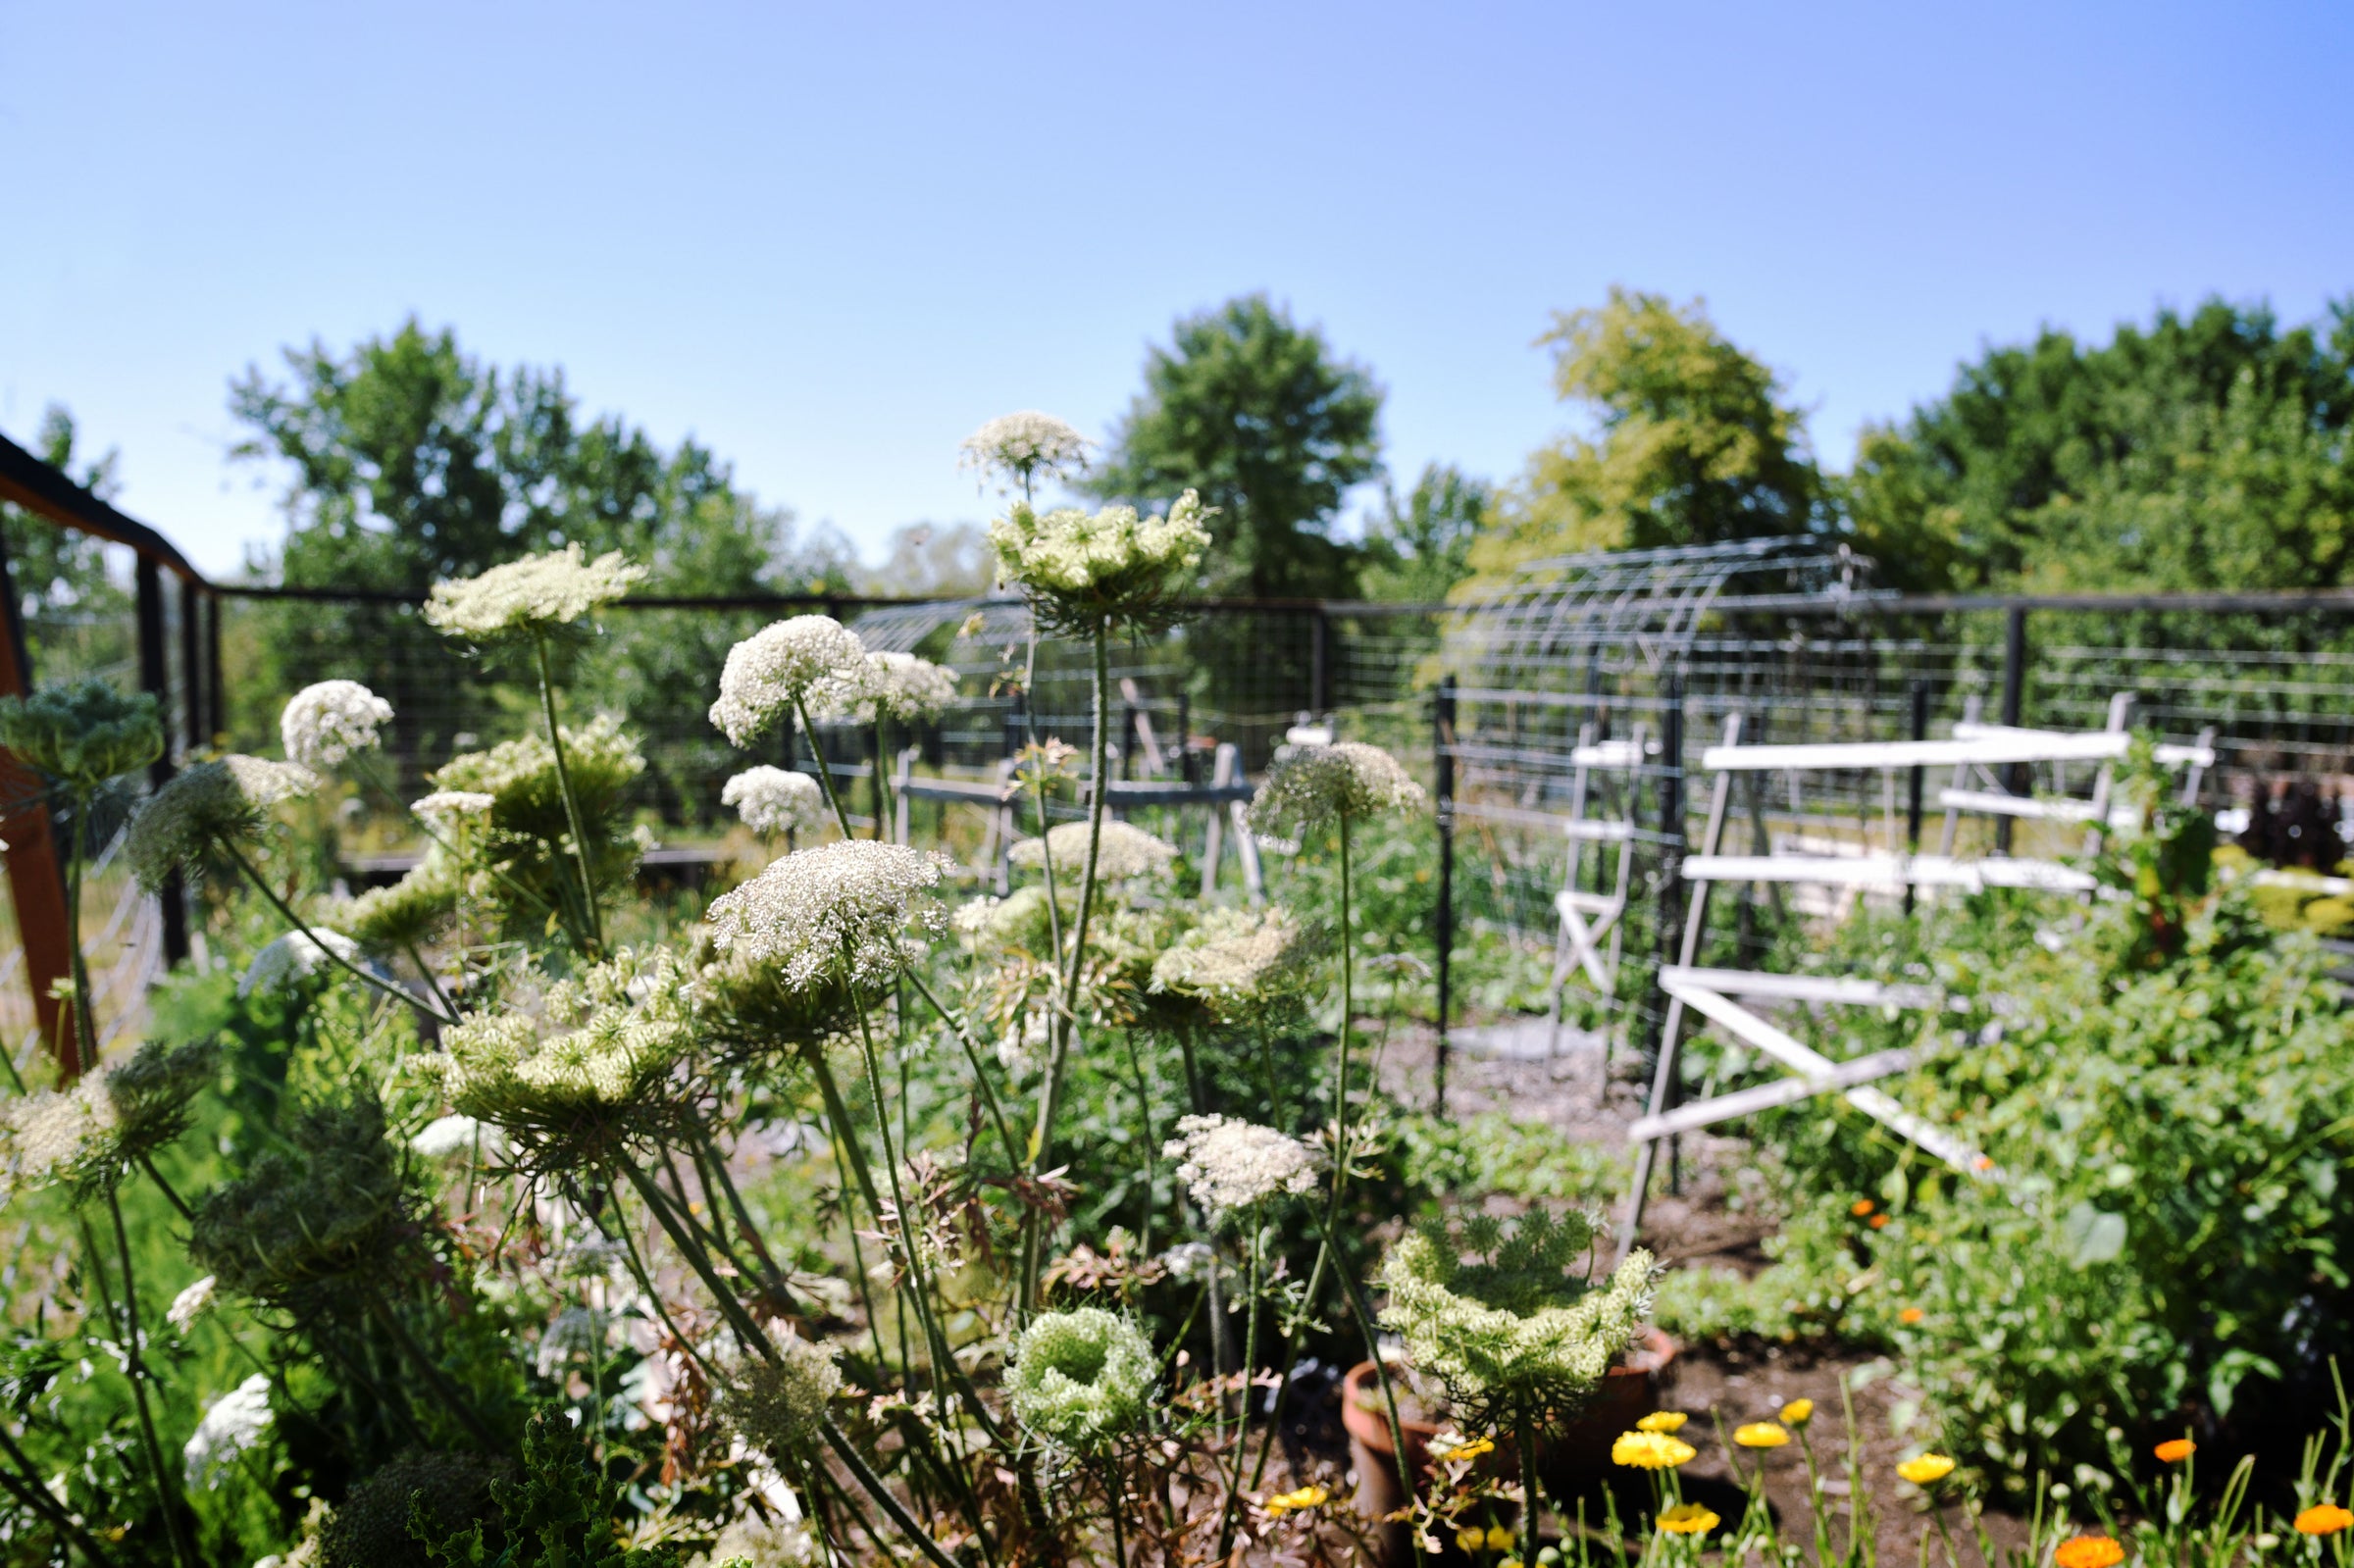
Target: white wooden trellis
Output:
[(1591, 935)]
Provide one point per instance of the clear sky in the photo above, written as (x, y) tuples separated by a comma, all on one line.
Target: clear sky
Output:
[(829, 241)]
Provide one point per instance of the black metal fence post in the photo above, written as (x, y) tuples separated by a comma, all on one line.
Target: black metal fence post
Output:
[(1915, 780), (215, 691), (2015, 678), (1319, 684), (1671, 884), (1443, 926), (155, 679)]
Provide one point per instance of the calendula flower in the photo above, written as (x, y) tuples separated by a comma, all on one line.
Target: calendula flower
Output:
[(1759, 1435), (2088, 1552), (889, 686), (1911, 1315), (1662, 1421), (534, 594), (322, 724), (779, 1405), (2322, 1519), (1024, 447), (209, 804), (1798, 1412), (1459, 1448), (296, 956), (1347, 782), (1861, 1207), (1923, 1468), (1080, 1379), (231, 1424), (1304, 1499), (854, 906), (780, 665), (80, 734), (1650, 1451), (1081, 570), (1688, 1519), (1230, 1164), (1125, 851), (187, 1306), (774, 800), (2175, 1449)]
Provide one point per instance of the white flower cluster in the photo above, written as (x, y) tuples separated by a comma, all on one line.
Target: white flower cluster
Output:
[(774, 800), (1125, 851), (1078, 567), (324, 723), (447, 809), (1237, 960), (889, 686), (451, 1135), (212, 801), (1318, 785), (771, 670), (294, 957), (233, 1424), (530, 595), (61, 1134), (1023, 448), (1230, 1164), (187, 1306), (849, 903)]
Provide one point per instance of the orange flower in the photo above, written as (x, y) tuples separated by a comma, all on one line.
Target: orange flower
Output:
[(1911, 1315), (2177, 1450), (1861, 1207), (2322, 1519), (2088, 1552), (1879, 1221)]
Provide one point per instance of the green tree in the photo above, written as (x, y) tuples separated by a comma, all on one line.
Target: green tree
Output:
[(76, 617), (1693, 443), (2207, 451), (1255, 411), (1419, 549)]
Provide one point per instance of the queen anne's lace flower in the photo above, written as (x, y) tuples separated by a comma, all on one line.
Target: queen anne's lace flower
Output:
[(63, 1135), (83, 733), (231, 1425), (450, 1134), (851, 902), (187, 1306), (292, 957), (1126, 851), (322, 724), (779, 1405), (1316, 784), (775, 800), (530, 595), (576, 1331), (213, 802), (1079, 569), (771, 670), (890, 686), (448, 809), (1230, 1164), (1238, 962), (1080, 1379), (1024, 447)]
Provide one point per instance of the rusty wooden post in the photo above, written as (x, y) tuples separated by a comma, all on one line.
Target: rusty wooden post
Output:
[(155, 679), (36, 880)]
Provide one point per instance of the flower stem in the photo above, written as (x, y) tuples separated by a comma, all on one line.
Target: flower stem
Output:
[(1242, 1429), (85, 1023), (1528, 1484), (824, 768), (891, 1505), (431, 1370), (972, 1052), (167, 1496), (571, 804), (285, 912)]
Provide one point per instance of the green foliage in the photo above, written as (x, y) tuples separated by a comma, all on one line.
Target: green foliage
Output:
[(531, 835), (559, 1513), (77, 619), (1419, 548), (1492, 1154), (80, 734)]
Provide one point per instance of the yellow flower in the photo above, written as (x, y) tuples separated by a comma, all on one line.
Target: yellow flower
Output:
[(1798, 1412), (2322, 1519), (1471, 1538), (1499, 1538), (1467, 1448), (1662, 1421), (1760, 1435), (1290, 1501), (1650, 1451), (1923, 1468), (1688, 1519), (2088, 1552)]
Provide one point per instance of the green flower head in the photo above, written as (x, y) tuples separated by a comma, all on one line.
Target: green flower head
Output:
[(777, 1406), (1312, 785), (1082, 1379), (211, 804), (80, 735), (1080, 570), (303, 1222)]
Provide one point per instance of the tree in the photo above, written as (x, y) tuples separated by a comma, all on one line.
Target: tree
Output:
[(1694, 444), (1256, 413), (924, 560), (2209, 451), (1421, 548), (76, 617)]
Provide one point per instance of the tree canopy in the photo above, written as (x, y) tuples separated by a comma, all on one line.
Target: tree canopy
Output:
[(1260, 416), (73, 611), (1418, 547)]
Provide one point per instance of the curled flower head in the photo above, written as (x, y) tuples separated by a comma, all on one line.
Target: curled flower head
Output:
[(1082, 570), (533, 595), (79, 735), (2088, 1552), (1798, 1412), (1689, 1519), (296, 956), (1346, 782), (778, 1404), (1924, 1469), (780, 665), (187, 1306), (774, 800), (889, 686), (1125, 852), (1662, 1421), (1024, 447), (448, 810), (324, 723), (213, 803), (2175, 1450), (231, 1424), (305, 1220), (2322, 1519), (1230, 1164), (1760, 1435), (852, 903), (1080, 1379), (1240, 964), (1650, 1451)]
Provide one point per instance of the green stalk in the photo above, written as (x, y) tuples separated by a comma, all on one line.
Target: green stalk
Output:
[(33, 1493), (972, 1054), (1528, 1484), (1388, 1396), (85, 1023), (646, 1282), (444, 1388), (824, 768), (1339, 1096), (935, 1342), (696, 1259), (286, 913), (135, 1363), (1242, 1429), (874, 1486), (572, 804)]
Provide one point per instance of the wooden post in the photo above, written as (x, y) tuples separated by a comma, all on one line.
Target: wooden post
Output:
[(36, 880), (1443, 923), (155, 679)]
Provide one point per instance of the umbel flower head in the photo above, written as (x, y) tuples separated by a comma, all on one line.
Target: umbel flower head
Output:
[(778, 666), (449, 810), (322, 724), (305, 1220), (1345, 782), (846, 907), (530, 596), (778, 1404), (890, 686), (774, 800), (82, 1137), (1082, 570), (410, 913), (296, 956), (1231, 1164), (79, 735), (1513, 1332), (1239, 964), (219, 802), (231, 1424), (1080, 1379), (1126, 851), (1024, 447)]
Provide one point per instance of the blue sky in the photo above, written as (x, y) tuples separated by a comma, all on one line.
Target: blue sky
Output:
[(829, 241)]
